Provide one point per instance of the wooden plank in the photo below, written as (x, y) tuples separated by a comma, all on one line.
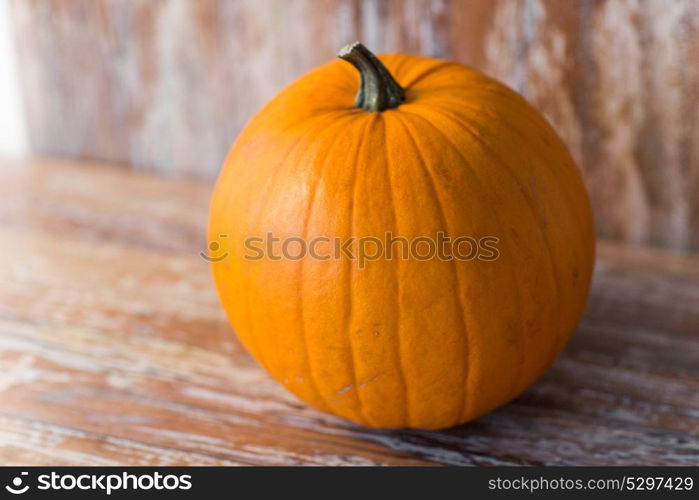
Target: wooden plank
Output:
[(114, 350), (31, 443), (167, 84)]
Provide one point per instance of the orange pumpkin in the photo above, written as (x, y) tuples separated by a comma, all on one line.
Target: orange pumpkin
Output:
[(436, 147)]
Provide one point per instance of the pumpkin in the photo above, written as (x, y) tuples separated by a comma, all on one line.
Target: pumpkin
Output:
[(425, 147)]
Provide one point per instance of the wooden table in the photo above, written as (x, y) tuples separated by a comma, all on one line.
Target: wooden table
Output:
[(114, 350)]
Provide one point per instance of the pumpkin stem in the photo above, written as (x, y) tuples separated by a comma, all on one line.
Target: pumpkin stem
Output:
[(378, 91)]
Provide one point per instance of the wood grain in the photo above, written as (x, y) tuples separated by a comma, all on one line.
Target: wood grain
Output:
[(167, 84), (114, 350)]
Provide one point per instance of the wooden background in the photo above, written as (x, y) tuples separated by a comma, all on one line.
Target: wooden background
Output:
[(114, 350), (113, 347), (167, 84)]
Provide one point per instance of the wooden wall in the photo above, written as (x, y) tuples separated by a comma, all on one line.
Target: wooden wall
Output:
[(166, 84)]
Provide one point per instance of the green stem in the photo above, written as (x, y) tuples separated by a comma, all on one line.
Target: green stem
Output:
[(378, 91)]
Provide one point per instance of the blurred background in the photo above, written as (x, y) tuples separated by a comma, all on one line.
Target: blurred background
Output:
[(115, 116), (166, 85)]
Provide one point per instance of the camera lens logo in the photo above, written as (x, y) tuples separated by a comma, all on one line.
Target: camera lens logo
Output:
[(214, 248), (16, 487)]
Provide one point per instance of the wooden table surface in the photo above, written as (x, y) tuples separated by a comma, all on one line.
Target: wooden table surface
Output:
[(114, 350)]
